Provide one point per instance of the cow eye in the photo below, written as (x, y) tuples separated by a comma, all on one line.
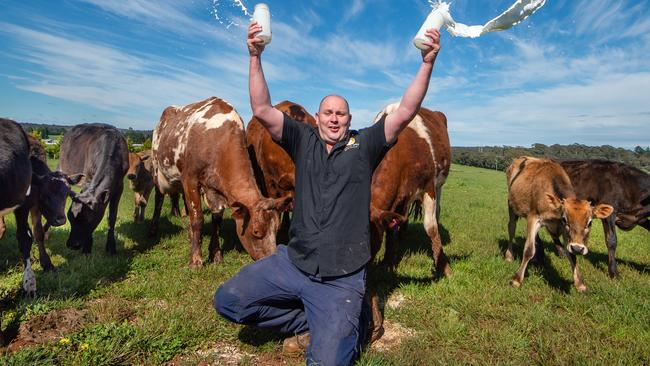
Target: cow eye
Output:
[(589, 224)]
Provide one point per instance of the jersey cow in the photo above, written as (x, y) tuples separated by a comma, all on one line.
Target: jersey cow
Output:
[(140, 181), (200, 150), (274, 169), (27, 185), (99, 152), (625, 188), (413, 170), (541, 191)]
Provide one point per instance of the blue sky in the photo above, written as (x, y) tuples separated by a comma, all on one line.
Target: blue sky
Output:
[(577, 71)]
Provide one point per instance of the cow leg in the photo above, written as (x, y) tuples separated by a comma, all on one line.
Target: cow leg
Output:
[(438, 200), (112, 218), (136, 208), (214, 250), (3, 227), (540, 256), (24, 236), (144, 199), (175, 211), (193, 197), (390, 255), (39, 235), (377, 317), (609, 226), (159, 198), (512, 226), (431, 227), (577, 276), (533, 226)]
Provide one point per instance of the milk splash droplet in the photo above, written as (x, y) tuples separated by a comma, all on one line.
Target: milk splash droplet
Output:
[(220, 13)]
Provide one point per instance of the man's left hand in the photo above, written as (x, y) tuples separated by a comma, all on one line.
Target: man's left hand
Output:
[(429, 55)]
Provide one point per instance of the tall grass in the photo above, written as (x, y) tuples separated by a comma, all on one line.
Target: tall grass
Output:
[(145, 306)]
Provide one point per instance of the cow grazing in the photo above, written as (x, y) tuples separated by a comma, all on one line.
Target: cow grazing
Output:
[(413, 170), (27, 185), (625, 188), (99, 152), (274, 169), (140, 181), (541, 191), (200, 150)]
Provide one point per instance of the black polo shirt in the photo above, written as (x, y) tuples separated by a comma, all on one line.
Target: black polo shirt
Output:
[(330, 233)]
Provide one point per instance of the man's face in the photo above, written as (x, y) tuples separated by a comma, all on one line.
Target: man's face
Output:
[(333, 119)]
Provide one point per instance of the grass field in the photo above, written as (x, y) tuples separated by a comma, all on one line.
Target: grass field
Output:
[(145, 306)]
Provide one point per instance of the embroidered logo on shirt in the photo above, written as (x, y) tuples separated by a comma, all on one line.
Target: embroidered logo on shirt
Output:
[(352, 144)]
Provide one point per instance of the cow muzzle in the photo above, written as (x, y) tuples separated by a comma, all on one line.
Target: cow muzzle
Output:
[(578, 249), (130, 176)]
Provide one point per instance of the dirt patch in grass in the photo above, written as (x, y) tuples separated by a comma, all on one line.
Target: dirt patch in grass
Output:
[(394, 333), (396, 300), (48, 328), (220, 353)]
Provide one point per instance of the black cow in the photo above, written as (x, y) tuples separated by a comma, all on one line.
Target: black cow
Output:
[(27, 184), (99, 152), (47, 198), (624, 187)]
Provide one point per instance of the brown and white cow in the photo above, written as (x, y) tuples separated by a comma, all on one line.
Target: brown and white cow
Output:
[(200, 149), (541, 191), (274, 169), (625, 188), (415, 169)]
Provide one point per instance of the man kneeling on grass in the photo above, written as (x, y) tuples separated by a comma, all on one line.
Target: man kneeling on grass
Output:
[(314, 287)]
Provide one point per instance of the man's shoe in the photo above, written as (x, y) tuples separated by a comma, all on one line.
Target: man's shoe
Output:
[(296, 344)]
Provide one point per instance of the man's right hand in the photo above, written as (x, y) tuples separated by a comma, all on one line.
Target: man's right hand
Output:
[(255, 44)]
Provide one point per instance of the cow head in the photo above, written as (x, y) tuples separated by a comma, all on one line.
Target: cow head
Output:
[(576, 217), (85, 213), (136, 166), (54, 189), (257, 225)]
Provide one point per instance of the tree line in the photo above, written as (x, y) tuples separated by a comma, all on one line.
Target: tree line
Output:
[(52, 135), (500, 157)]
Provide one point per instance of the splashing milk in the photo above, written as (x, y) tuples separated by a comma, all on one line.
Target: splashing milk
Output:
[(519, 11)]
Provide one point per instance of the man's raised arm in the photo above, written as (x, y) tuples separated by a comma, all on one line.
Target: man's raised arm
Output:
[(412, 99), (271, 118)]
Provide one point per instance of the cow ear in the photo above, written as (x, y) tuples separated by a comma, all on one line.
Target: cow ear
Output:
[(603, 211), (74, 179), (239, 211), (103, 197), (283, 203), (75, 209), (391, 219), (553, 201)]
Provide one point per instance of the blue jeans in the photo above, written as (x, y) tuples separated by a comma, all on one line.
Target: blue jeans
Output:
[(274, 293)]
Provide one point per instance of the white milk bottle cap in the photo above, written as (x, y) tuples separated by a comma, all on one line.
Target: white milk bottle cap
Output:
[(262, 16), (437, 19)]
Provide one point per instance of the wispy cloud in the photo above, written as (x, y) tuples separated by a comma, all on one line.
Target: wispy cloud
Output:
[(110, 79)]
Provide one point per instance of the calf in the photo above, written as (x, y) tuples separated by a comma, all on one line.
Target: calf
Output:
[(140, 181), (47, 198), (27, 185), (541, 191), (625, 188), (274, 169), (200, 150), (413, 170), (99, 152)]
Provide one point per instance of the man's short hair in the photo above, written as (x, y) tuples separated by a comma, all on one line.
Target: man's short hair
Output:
[(334, 95)]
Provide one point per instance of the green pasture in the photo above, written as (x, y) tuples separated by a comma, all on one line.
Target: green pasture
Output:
[(145, 306)]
